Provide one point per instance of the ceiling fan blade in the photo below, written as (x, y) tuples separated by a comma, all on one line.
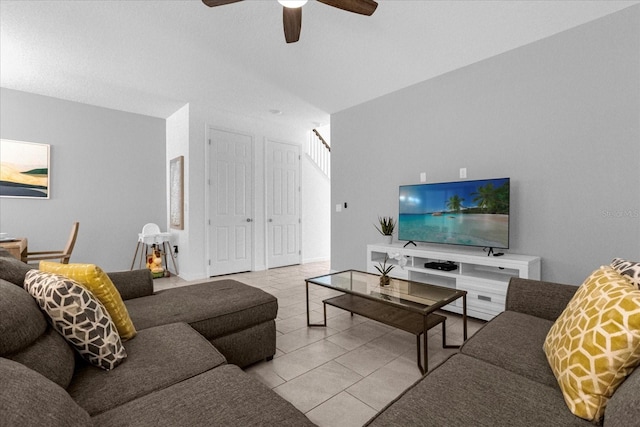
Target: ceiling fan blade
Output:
[(213, 3), (292, 21), (363, 7)]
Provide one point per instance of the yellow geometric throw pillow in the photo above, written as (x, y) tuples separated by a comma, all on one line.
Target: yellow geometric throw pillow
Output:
[(595, 343), (92, 277)]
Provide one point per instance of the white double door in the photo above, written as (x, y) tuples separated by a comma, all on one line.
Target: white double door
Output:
[(231, 203)]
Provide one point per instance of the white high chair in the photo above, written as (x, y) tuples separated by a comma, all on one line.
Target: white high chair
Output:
[(151, 235)]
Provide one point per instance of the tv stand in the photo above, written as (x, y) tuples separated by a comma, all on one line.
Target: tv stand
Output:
[(484, 278)]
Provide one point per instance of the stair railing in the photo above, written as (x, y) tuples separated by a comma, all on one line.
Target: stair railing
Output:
[(320, 152)]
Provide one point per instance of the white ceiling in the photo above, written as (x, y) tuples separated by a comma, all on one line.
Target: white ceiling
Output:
[(153, 56)]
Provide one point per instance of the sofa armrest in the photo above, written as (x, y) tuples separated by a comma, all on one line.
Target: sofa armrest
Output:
[(546, 300), (133, 284)]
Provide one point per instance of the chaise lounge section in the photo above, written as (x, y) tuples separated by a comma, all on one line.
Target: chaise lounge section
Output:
[(239, 320)]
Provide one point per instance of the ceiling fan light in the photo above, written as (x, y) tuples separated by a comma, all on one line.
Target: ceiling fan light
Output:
[(293, 4)]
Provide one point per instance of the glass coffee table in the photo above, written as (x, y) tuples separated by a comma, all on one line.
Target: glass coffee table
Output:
[(403, 304)]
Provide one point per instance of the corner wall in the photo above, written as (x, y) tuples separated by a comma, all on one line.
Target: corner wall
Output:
[(559, 116), (106, 172)]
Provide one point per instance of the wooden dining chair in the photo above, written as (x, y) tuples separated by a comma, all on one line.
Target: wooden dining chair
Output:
[(62, 255)]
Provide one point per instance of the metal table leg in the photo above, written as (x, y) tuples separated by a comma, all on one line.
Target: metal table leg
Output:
[(423, 360), (324, 309)]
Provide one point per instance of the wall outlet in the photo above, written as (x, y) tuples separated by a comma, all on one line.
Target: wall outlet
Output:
[(338, 207), (423, 177), (463, 172)]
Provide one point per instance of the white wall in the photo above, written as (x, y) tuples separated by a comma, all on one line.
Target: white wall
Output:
[(177, 131), (194, 256), (107, 172), (559, 116), (316, 214)]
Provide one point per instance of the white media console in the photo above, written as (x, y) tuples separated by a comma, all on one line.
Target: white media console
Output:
[(485, 278)]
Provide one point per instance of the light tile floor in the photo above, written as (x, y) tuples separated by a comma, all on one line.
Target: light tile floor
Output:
[(343, 374)]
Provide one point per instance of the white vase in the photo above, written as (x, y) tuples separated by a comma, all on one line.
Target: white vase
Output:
[(388, 239)]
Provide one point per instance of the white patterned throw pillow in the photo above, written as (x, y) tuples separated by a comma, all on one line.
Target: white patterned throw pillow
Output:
[(79, 317), (628, 268)]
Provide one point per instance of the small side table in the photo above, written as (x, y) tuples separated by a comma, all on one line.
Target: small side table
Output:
[(16, 247)]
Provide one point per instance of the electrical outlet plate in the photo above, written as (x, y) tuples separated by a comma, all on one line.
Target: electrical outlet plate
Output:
[(463, 172)]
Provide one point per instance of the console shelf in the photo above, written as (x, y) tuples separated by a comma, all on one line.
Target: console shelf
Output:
[(485, 278)]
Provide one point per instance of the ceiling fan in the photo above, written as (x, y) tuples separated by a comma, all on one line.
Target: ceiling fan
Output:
[(292, 12)]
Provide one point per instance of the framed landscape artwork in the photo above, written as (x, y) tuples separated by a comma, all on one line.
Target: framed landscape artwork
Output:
[(176, 190), (24, 169)]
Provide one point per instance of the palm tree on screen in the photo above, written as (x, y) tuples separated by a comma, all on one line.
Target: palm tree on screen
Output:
[(455, 203), (486, 197)]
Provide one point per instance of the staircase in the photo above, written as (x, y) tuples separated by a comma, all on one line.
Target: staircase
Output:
[(319, 152)]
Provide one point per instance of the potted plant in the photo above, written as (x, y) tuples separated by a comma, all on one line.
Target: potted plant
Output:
[(384, 270), (386, 227)]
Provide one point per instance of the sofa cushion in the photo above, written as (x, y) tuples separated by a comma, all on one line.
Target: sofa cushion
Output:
[(94, 279), (21, 322), (157, 358), (595, 343), (29, 399), (12, 270), (623, 408), (133, 284), (214, 309), (465, 391), (78, 316), (50, 355), (224, 396), (628, 268), (513, 341)]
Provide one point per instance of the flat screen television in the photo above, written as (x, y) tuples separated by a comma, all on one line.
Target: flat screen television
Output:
[(470, 213)]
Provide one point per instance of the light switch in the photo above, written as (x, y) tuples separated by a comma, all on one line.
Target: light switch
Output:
[(423, 177), (338, 207), (463, 172)]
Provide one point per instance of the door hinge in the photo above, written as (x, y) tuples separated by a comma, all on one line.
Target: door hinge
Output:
[(299, 252), (209, 262), (299, 221), (209, 182), (209, 222), (209, 141), (299, 157)]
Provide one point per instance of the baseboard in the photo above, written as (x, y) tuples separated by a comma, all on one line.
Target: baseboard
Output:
[(318, 259)]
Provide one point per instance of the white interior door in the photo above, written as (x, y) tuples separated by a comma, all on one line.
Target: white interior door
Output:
[(283, 204), (231, 202)]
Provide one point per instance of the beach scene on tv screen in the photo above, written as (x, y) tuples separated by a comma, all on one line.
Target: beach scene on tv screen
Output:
[(473, 213)]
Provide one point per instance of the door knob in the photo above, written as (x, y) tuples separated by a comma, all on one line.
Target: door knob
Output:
[(249, 220), (270, 220)]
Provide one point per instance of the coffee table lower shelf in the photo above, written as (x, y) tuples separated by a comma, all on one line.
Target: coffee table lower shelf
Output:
[(405, 320)]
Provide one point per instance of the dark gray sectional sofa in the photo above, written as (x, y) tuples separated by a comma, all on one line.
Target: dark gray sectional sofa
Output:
[(178, 368), (501, 377)]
